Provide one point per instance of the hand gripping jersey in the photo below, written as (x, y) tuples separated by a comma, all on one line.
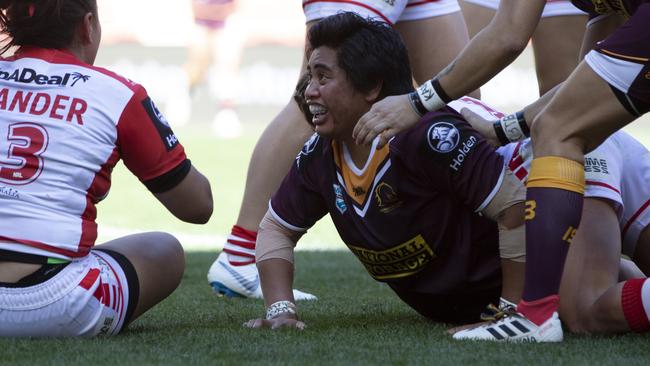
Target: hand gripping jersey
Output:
[(410, 214), (618, 170), (63, 127)]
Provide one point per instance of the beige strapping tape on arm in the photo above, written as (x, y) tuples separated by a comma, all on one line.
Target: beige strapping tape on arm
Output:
[(274, 240), (512, 242), (511, 192)]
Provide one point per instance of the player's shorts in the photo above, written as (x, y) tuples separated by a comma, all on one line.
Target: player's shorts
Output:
[(91, 296), (389, 11), (623, 61), (212, 13), (553, 8)]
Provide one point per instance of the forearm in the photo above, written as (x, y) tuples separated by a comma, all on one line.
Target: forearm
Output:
[(276, 278), (492, 49), (274, 256)]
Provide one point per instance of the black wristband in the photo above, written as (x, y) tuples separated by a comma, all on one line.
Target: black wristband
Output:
[(416, 103), (501, 135), (522, 123), (440, 91)]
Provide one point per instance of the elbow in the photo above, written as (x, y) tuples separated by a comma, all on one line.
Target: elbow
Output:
[(513, 45), (201, 209), (201, 216)]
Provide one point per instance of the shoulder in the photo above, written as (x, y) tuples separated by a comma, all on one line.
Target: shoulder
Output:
[(437, 133), (109, 75), (312, 151)]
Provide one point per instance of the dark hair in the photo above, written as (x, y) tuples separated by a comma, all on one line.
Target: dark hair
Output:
[(369, 51), (42, 23), (299, 97)]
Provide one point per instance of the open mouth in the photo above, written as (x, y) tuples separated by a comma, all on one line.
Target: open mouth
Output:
[(318, 112)]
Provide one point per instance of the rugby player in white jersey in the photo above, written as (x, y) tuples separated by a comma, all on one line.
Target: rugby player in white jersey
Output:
[(64, 125), (434, 33)]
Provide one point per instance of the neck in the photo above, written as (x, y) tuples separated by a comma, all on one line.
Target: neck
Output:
[(359, 153)]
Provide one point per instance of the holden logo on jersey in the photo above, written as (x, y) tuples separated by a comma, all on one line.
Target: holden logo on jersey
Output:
[(387, 199), (339, 201), (443, 137), (308, 147), (161, 124), (28, 76), (463, 151)]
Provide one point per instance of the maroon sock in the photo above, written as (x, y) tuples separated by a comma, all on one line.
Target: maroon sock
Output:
[(550, 226)]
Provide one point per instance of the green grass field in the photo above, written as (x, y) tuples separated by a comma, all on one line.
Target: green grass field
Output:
[(356, 320)]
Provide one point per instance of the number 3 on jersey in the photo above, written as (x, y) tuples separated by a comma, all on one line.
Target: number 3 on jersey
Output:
[(25, 144)]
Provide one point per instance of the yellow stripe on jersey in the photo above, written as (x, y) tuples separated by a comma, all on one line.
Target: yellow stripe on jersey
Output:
[(625, 57), (557, 172), (357, 186)]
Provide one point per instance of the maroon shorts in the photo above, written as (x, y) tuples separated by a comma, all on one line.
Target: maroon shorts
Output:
[(623, 59)]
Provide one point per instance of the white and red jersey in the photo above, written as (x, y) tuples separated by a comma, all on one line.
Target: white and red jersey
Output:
[(64, 125), (618, 170)]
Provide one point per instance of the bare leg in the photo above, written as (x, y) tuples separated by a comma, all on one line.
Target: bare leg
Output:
[(590, 295), (571, 127), (272, 157), (446, 36), (562, 133), (158, 260), (556, 43), (476, 17)]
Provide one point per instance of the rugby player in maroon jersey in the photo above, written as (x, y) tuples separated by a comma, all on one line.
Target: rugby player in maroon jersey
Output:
[(416, 213)]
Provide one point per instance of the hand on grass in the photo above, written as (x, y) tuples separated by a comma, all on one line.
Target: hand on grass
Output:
[(483, 126), (386, 119), (279, 322)]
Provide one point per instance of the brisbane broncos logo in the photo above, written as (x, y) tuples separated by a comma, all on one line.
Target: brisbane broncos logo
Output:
[(443, 137)]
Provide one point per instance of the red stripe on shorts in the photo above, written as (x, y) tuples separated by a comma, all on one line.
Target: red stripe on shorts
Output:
[(351, 3), (90, 278)]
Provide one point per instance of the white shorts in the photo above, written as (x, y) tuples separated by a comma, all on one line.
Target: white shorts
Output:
[(389, 11), (553, 8), (87, 298)]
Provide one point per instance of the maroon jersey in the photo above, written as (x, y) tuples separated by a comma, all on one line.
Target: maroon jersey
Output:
[(596, 7), (410, 215)]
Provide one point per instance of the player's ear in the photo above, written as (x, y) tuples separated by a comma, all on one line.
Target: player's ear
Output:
[(373, 94), (87, 28)]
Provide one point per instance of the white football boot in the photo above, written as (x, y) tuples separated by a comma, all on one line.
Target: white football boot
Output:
[(241, 281), (514, 327)]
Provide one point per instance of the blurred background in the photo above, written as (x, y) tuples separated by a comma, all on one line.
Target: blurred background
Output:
[(219, 85)]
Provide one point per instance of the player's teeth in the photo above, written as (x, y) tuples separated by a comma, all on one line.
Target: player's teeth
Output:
[(317, 109)]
